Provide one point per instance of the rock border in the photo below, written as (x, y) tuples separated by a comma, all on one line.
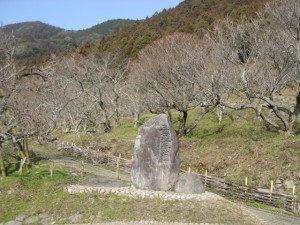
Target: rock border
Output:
[(132, 192)]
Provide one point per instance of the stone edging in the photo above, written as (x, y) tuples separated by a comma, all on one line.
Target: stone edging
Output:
[(136, 193), (151, 223)]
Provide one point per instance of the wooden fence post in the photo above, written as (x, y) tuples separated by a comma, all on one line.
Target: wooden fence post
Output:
[(294, 200), (205, 178), (118, 167), (246, 185), (224, 184), (294, 190), (271, 189), (51, 167), (21, 165), (189, 169)]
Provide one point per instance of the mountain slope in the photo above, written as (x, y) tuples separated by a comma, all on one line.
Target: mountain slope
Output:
[(97, 32), (189, 16), (27, 31), (37, 40)]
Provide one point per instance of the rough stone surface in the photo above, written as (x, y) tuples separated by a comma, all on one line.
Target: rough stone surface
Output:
[(105, 182), (156, 155), (132, 192), (43, 215), (13, 222), (189, 183), (20, 218), (75, 218), (30, 220), (152, 223), (47, 221), (278, 184), (289, 184)]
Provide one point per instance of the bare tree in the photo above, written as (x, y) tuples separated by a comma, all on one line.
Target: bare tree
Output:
[(174, 73), (69, 92), (15, 115), (261, 62), (105, 83), (114, 67), (134, 102), (90, 87), (287, 14)]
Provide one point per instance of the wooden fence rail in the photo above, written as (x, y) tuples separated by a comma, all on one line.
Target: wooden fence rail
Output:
[(266, 196), (96, 157), (279, 200)]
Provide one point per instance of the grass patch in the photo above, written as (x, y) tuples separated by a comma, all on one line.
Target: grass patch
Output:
[(32, 193), (258, 205), (240, 146), (37, 192)]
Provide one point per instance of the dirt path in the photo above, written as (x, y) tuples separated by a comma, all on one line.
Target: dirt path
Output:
[(274, 218), (76, 164), (266, 216), (92, 169)]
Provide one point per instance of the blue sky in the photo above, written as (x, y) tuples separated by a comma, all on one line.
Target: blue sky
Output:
[(79, 14)]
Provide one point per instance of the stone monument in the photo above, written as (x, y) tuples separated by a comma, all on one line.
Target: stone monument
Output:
[(156, 155)]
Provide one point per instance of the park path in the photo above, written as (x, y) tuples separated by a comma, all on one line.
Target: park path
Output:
[(266, 216), (76, 165), (274, 218), (91, 168)]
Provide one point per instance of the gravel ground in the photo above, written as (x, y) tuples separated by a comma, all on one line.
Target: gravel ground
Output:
[(136, 193), (152, 223), (274, 218)]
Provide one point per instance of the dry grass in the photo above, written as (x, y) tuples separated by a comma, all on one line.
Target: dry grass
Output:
[(239, 149), (37, 192)]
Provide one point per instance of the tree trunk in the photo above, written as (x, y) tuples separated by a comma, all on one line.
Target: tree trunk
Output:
[(117, 113), (297, 107), (197, 121), (105, 115), (220, 113), (295, 113), (2, 166), (136, 118), (182, 123), (26, 151), (169, 114)]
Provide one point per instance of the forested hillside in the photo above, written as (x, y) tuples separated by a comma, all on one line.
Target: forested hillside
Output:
[(191, 16), (37, 40), (28, 31), (97, 32)]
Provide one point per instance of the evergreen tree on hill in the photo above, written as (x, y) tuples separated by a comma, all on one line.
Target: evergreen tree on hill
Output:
[(190, 16)]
